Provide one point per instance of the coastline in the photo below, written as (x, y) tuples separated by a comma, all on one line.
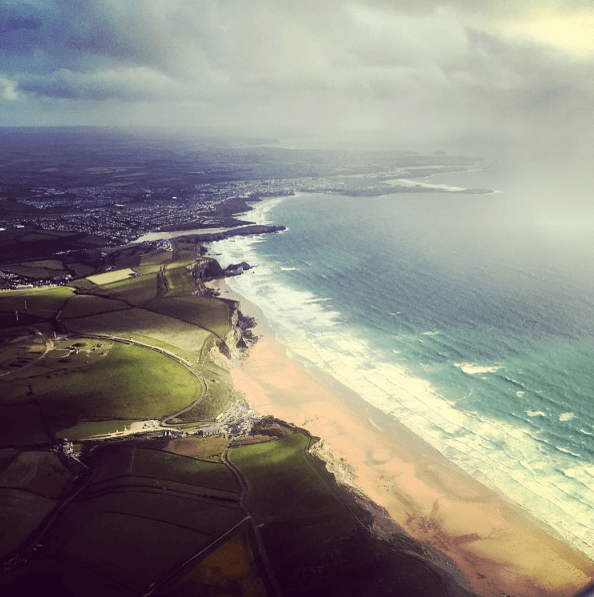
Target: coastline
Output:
[(498, 548)]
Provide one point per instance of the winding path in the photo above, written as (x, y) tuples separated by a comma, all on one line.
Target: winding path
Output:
[(167, 353), (256, 524)]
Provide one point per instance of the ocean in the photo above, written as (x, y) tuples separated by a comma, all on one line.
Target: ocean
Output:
[(468, 317)]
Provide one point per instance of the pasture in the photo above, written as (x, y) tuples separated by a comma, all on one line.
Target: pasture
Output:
[(115, 382), (54, 577), (22, 424), (135, 525), (31, 482), (84, 305), (158, 258), (42, 303), (111, 276), (178, 280), (183, 469), (130, 382), (207, 448), (297, 488), (136, 291), (212, 314), (143, 325)]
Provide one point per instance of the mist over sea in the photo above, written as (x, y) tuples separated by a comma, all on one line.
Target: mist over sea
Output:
[(468, 317)]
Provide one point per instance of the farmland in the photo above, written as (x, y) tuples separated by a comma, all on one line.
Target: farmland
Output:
[(31, 485), (81, 380), (211, 314), (140, 517), (92, 358), (39, 303), (112, 361), (144, 326), (230, 567)]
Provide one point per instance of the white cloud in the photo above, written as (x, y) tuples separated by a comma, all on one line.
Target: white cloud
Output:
[(8, 90)]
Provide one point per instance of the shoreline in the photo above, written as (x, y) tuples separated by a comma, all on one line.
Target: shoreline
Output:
[(499, 548)]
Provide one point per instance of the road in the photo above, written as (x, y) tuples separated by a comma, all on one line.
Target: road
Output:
[(256, 524), (167, 353)]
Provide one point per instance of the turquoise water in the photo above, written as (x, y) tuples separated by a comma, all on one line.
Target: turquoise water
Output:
[(458, 315)]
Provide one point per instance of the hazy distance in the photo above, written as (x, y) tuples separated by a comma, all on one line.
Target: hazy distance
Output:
[(507, 80)]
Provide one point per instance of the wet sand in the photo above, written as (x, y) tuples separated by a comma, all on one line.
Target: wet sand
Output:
[(499, 548)]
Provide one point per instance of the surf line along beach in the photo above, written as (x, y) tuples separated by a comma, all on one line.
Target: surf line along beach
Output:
[(499, 548)]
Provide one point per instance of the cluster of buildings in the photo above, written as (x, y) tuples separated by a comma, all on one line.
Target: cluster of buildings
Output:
[(125, 214), (237, 421), (122, 216)]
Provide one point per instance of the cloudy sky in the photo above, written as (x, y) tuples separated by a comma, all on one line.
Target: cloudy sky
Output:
[(396, 72)]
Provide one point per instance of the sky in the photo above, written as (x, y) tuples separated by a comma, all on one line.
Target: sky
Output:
[(480, 75)]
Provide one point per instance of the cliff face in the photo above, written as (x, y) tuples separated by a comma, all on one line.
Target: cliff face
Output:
[(207, 269), (210, 269), (234, 337)]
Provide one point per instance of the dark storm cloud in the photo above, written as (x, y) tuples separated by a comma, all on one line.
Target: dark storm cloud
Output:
[(13, 19), (60, 34), (428, 67)]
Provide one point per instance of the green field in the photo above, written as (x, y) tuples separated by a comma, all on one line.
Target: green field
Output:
[(81, 269), (31, 482), (52, 264), (142, 511), (178, 281), (208, 448), (147, 269), (22, 425), (43, 304), (33, 272), (159, 258), (36, 471), (183, 469), (306, 526), (315, 543), (133, 524), (286, 464), (21, 513), (128, 382), (90, 429), (137, 323), (209, 313), (55, 577), (84, 305), (115, 544), (115, 275), (229, 570), (221, 393), (136, 291)]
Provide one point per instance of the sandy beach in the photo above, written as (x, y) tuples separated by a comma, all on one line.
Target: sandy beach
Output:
[(500, 549)]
